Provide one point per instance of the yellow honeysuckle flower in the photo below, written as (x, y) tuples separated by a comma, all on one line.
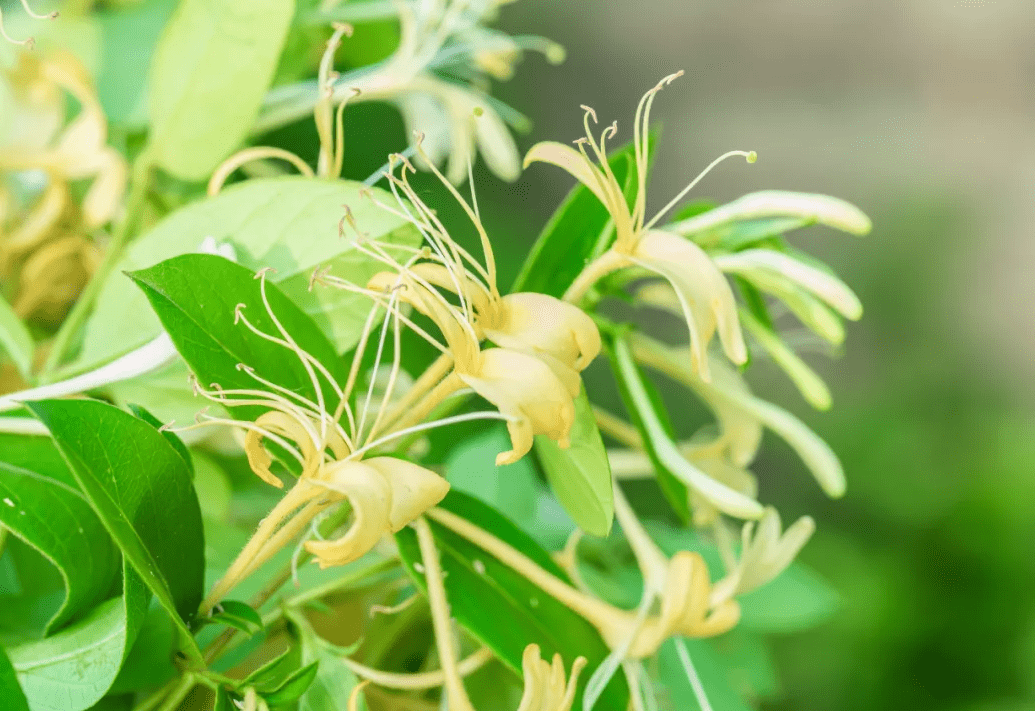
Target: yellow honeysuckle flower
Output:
[(545, 685), (704, 295)]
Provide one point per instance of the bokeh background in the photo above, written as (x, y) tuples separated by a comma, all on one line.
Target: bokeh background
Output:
[(922, 112)]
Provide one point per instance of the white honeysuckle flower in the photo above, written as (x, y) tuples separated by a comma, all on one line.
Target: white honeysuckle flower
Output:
[(813, 451), (704, 295), (811, 386), (778, 273), (765, 553), (823, 209)]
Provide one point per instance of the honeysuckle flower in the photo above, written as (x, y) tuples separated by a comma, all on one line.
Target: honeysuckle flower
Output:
[(333, 445), (545, 685), (457, 118), (538, 324), (45, 252), (729, 391), (797, 284), (704, 295), (765, 553)]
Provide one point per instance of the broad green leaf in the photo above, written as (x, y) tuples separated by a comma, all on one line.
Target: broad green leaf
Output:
[(211, 69), (40, 502), (578, 231), (197, 296), (12, 697), (171, 437), (500, 607), (334, 681), (151, 659), (289, 224), (15, 339), (73, 669), (514, 488), (140, 488), (580, 475)]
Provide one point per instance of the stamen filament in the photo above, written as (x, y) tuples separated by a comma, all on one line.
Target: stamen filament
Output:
[(749, 155)]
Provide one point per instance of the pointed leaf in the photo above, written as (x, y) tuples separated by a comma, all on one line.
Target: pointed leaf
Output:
[(11, 695), (41, 503), (139, 486), (197, 295)]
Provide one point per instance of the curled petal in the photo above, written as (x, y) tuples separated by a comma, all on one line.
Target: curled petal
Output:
[(385, 495), (278, 423), (569, 159), (527, 391), (823, 209), (767, 268), (704, 295), (539, 323), (766, 552)]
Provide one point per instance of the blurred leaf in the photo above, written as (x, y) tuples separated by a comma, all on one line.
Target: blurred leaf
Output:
[(580, 475), (795, 600), (334, 681), (15, 339), (140, 488), (294, 686), (197, 296), (499, 606), (74, 668), (734, 236), (213, 486), (12, 698), (275, 672), (579, 230), (215, 60), (40, 502), (289, 224), (710, 668)]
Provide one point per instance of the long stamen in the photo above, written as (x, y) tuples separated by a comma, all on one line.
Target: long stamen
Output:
[(251, 426), (317, 388), (641, 137), (393, 375), (750, 156), (452, 420), (377, 362), (262, 399)]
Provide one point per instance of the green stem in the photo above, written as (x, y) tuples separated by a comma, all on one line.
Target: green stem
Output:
[(169, 691), (135, 203)]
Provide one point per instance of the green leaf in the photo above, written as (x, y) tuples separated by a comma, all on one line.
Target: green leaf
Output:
[(74, 668), (795, 600), (514, 488), (139, 486), (580, 475), (709, 666), (288, 224), (211, 69), (734, 236), (15, 339), (197, 295), (238, 615), (579, 230), (171, 437), (334, 681), (500, 607), (151, 659), (40, 502), (12, 698), (294, 686), (274, 672)]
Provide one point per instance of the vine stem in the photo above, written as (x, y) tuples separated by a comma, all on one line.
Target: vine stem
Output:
[(135, 202), (172, 693)]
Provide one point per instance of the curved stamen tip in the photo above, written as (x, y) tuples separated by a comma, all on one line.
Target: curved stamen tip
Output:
[(261, 274), (356, 91), (237, 313), (418, 137), (344, 27), (479, 111), (167, 427), (555, 53), (751, 157), (669, 79), (318, 275), (611, 131), (589, 112), (244, 367)]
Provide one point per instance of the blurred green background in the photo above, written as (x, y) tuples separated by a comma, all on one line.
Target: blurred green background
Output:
[(922, 112)]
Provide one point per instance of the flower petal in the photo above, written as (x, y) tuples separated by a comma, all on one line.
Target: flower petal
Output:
[(824, 209), (539, 323), (414, 489), (571, 160)]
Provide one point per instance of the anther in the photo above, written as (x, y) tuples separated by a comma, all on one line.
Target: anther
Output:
[(589, 112), (237, 313)]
